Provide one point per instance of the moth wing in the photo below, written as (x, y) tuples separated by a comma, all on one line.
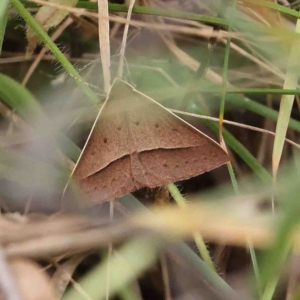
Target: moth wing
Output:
[(103, 186)]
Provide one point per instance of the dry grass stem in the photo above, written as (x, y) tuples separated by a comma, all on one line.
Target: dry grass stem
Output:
[(167, 27), (234, 124), (124, 40), (104, 42)]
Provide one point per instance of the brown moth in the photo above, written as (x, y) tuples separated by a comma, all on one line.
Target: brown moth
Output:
[(135, 142)]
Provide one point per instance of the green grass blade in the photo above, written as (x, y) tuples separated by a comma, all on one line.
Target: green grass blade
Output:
[(25, 105), (260, 109), (181, 202), (272, 262), (222, 108), (224, 76), (275, 6), (19, 98), (126, 264), (211, 87), (18, 6), (212, 281), (286, 105), (127, 293), (3, 8), (233, 178), (224, 79), (265, 91), (3, 20), (249, 159), (255, 267)]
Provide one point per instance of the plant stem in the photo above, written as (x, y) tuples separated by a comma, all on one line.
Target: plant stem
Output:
[(181, 202)]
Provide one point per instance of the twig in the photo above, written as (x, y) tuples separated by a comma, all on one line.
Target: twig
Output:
[(125, 34), (103, 19), (234, 124)]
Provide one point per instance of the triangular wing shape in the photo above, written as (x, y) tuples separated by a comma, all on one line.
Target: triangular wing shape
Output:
[(135, 142)]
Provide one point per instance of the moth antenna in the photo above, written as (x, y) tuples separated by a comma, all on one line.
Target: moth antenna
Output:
[(132, 35), (88, 64)]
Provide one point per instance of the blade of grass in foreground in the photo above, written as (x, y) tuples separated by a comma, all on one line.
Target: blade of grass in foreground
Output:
[(3, 8), (128, 294), (210, 278), (273, 261), (3, 20), (126, 264), (286, 105), (181, 202)]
